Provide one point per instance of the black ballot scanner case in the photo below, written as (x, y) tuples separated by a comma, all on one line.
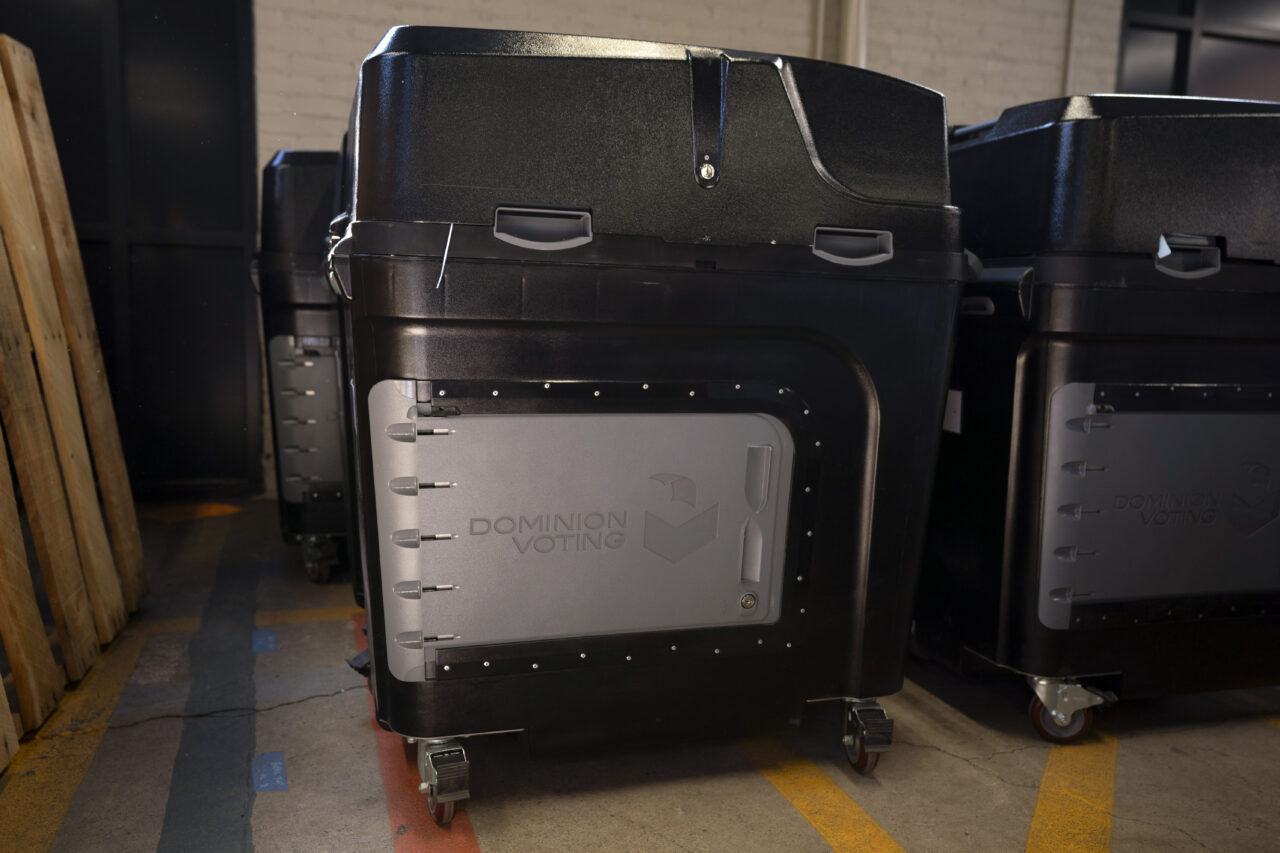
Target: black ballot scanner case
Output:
[(1105, 519), (302, 334), (649, 345)]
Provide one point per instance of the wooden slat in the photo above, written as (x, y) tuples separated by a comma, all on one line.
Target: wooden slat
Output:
[(19, 67), (8, 732), (38, 680), (36, 461), (20, 222)]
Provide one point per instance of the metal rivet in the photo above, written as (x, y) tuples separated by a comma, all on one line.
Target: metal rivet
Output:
[(486, 663), (808, 533), (717, 651), (782, 390), (802, 610), (706, 171), (690, 393), (815, 444), (440, 393), (807, 490), (583, 655), (645, 386), (759, 642), (737, 387), (535, 666), (673, 648), (446, 667), (799, 577), (788, 645), (546, 384), (495, 393), (595, 393), (628, 657), (806, 411), (748, 601)]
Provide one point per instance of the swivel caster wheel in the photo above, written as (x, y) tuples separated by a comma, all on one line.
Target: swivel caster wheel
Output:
[(441, 813), (864, 762), (446, 774), (1055, 730), (868, 731)]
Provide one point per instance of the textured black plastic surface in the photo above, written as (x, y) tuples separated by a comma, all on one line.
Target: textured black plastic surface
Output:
[(1111, 173), (529, 119), (299, 199), (1087, 307), (680, 284)]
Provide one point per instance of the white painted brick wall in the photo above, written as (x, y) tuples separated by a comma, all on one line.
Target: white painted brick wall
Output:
[(983, 54)]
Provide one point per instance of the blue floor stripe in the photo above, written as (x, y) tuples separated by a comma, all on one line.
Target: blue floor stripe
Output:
[(268, 772)]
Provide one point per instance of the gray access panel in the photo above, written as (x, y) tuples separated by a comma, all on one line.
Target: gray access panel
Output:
[(306, 415), (510, 528), (1156, 504)]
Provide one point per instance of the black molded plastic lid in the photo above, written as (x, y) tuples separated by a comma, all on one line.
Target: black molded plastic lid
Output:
[(298, 202), (1113, 173), (689, 144)]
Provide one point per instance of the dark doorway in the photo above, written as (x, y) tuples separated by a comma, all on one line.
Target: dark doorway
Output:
[(152, 105)]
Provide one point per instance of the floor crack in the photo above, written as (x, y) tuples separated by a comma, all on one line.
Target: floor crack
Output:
[(1200, 843), (231, 712), (974, 762)]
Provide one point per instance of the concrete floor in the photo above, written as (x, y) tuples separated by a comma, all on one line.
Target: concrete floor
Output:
[(186, 738)]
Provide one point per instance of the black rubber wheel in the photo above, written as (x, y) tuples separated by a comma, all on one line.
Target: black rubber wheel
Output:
[(1049, 729), (864, 762), (441, 813), (318, 571)]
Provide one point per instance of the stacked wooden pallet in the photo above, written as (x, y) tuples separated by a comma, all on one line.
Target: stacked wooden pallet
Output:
[(89, 551)]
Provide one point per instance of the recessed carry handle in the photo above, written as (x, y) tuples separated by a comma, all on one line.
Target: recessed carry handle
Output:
[(541, 228), (852, 247), (1188, 255)]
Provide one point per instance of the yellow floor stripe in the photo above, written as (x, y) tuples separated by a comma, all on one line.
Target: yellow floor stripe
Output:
[(1275, 721), (844, 824), (315, 614), (175, 625), (1077, 794), (48, 769), (188, 512)]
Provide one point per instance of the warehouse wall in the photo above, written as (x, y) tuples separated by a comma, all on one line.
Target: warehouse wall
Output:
[(983, 54)]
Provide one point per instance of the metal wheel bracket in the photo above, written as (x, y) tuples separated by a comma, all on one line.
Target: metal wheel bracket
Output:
[(1062, 699), (866, 719), (445, 770)]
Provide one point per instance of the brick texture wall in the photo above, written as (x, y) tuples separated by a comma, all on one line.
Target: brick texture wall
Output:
[(983, 54)]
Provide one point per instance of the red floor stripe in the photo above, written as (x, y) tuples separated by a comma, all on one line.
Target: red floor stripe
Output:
[(411, 825)]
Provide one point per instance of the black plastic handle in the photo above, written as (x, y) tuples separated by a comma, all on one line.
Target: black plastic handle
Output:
[(852, 247), (541, 228), (1188, 255)]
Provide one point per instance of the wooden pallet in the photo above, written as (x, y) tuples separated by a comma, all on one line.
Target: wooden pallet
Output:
[(38, 679), (29, 260), (27, 431), (8, 733), (23, 80)]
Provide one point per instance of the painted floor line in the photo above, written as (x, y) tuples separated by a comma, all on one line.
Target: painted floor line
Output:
[(48, 769), (174, 514), (841, 822), (1076, 799), (264, 618), (411, 825)]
